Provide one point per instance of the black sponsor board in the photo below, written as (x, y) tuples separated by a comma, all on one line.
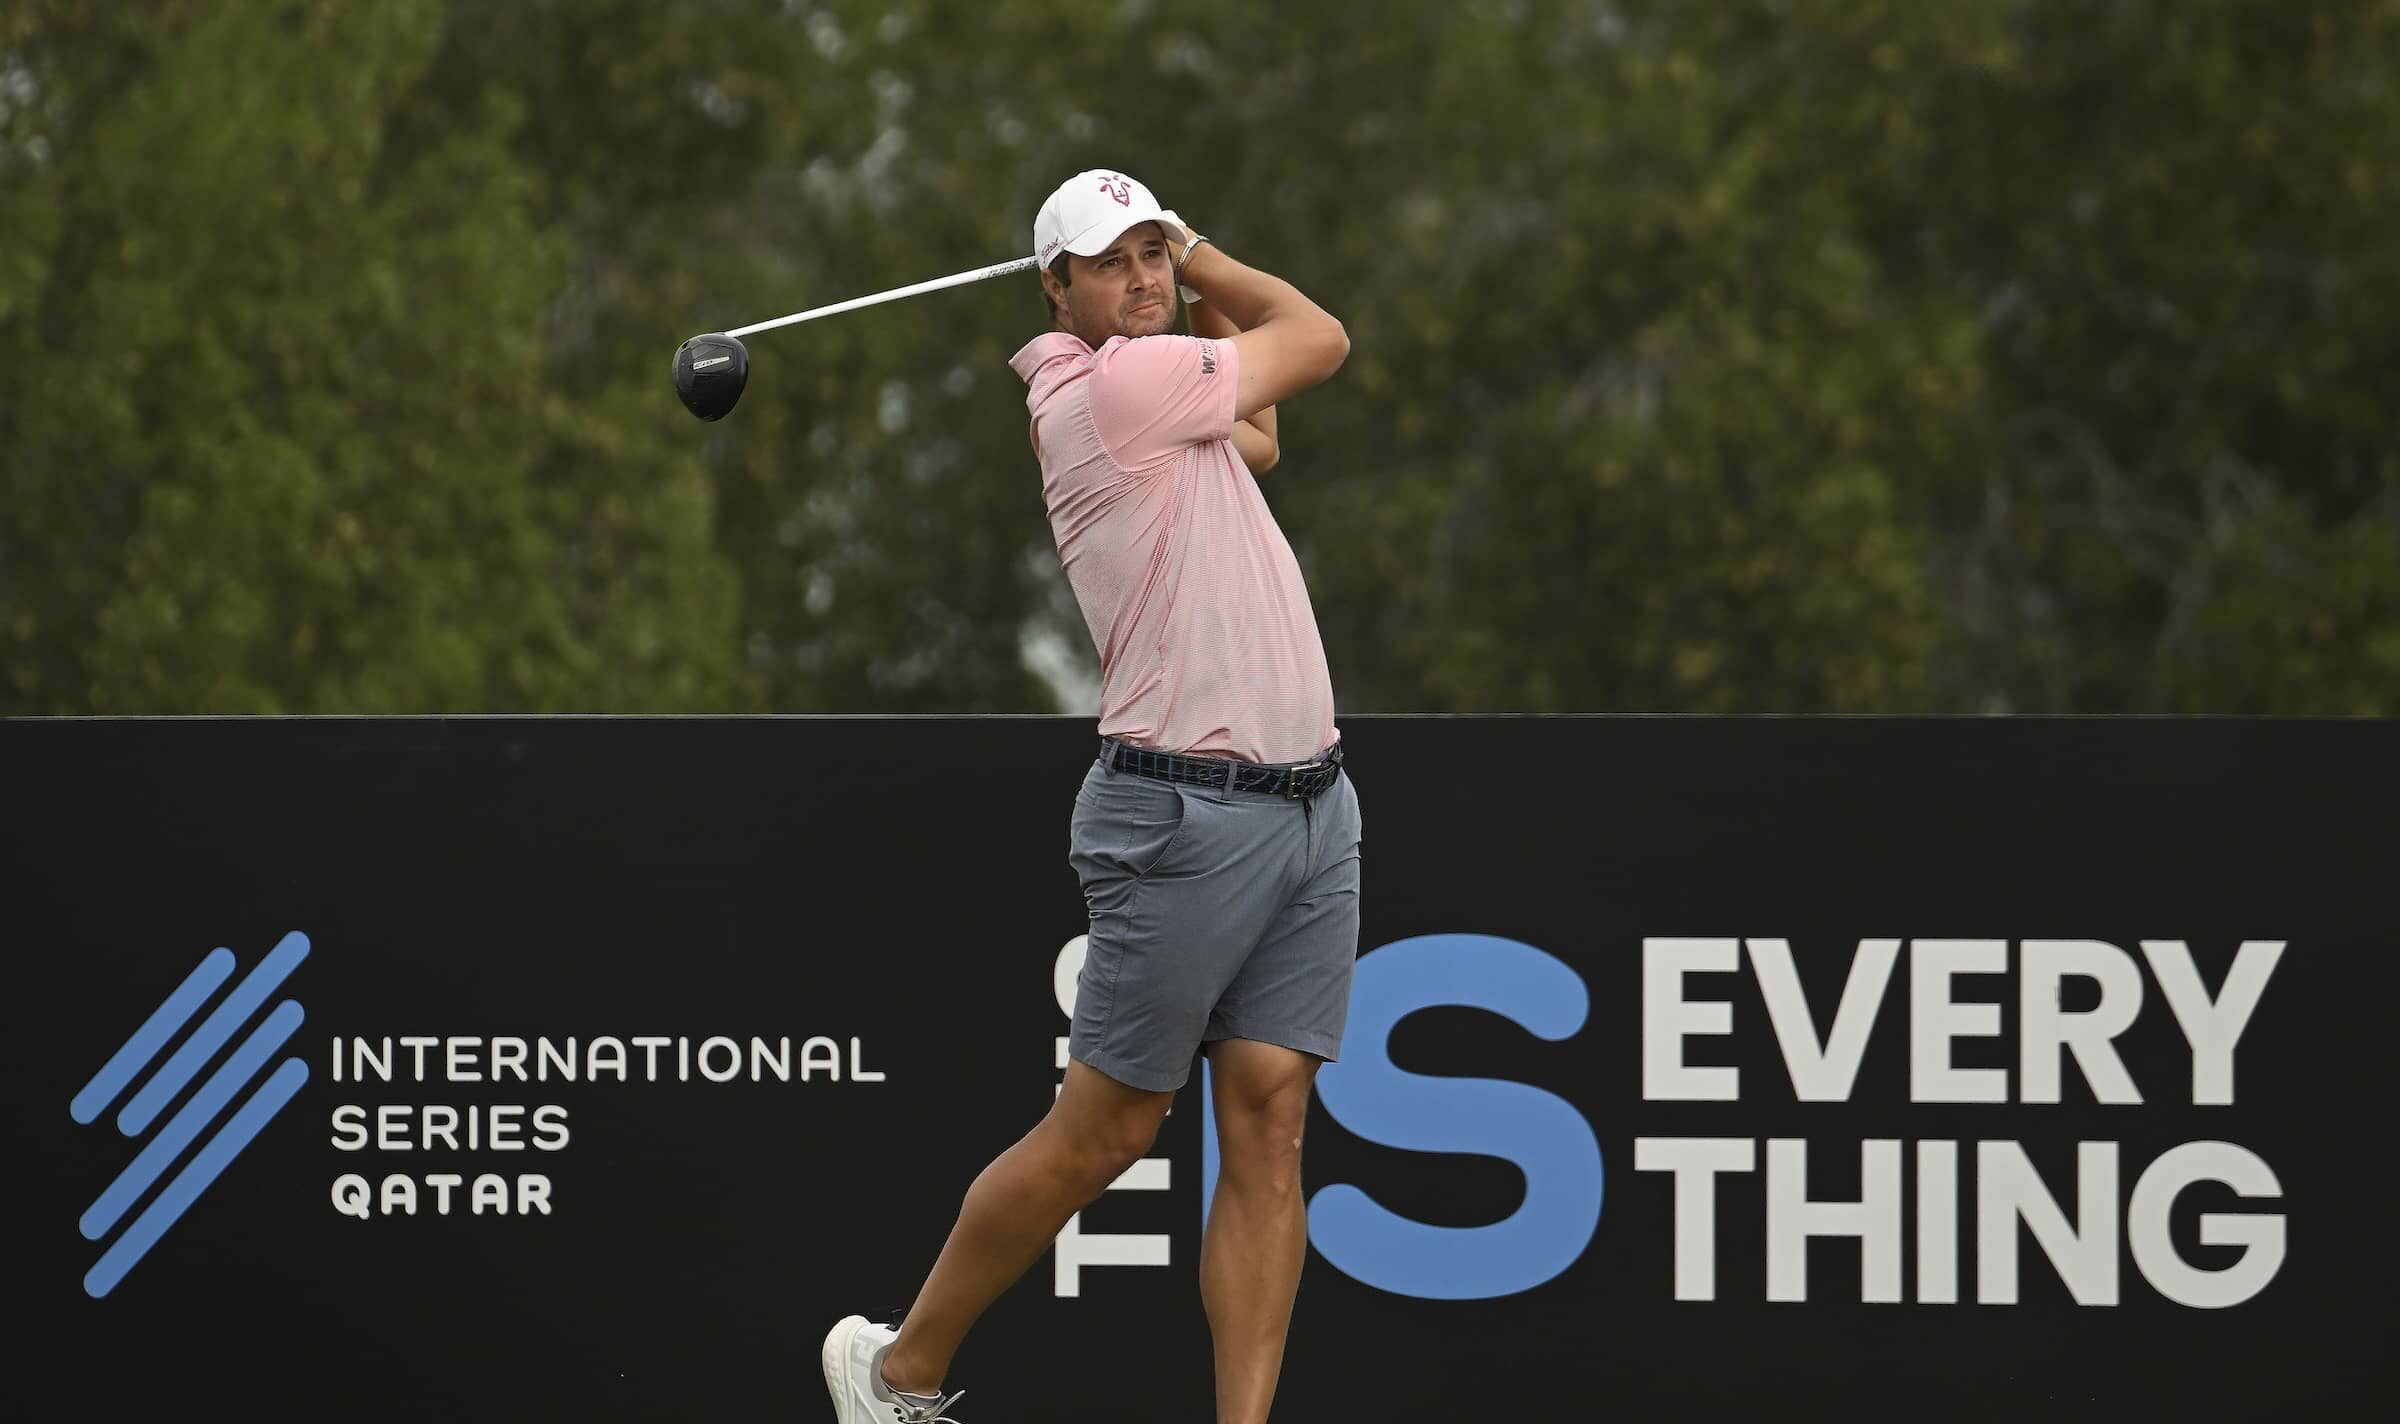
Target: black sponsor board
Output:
[(1698, 1068)]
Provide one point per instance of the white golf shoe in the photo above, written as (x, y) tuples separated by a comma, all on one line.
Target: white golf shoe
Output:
[(853, 1360)]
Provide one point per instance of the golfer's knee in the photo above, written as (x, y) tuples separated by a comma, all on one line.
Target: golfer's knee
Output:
[(1260, 1152), (1099, 1152)]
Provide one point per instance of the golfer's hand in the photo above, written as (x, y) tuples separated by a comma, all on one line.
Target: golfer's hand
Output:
[(1175, 229)]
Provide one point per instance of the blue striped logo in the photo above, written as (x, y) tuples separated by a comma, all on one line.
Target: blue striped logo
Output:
[(201, 1110)]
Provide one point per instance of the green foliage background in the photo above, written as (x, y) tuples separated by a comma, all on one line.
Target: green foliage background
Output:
[(1761, 355)]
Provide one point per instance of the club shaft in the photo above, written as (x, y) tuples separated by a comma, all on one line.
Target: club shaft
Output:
[(980, 274)]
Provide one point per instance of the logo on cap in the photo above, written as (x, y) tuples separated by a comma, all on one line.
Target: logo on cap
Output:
[(1117, 187)]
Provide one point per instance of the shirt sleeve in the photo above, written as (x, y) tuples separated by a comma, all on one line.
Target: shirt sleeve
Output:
[(1152, 396)]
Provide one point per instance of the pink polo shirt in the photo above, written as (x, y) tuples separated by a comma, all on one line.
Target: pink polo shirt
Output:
[(1207, 642)]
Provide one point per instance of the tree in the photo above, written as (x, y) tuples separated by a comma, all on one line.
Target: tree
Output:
[(290, 337), (1769, 355)]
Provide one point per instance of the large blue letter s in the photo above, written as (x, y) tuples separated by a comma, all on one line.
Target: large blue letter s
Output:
[(1540, 1132)]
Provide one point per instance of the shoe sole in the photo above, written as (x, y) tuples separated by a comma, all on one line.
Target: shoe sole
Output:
[(834, 1356)]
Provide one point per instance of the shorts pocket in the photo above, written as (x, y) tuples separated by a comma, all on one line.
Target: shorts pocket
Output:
[(1127, 825), (1152, 838)]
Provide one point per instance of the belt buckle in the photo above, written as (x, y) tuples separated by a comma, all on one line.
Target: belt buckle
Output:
[(1291, 779)]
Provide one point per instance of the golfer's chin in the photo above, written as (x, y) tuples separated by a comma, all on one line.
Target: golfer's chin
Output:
[(1150, 320)]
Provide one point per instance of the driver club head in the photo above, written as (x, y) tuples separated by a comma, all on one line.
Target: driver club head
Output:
[(710, 372)]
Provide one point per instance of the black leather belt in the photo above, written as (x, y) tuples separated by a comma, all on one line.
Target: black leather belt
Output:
[(1305, 781)]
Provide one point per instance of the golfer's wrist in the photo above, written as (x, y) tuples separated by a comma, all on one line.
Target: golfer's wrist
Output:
[(1191, 256), (1190, 249)]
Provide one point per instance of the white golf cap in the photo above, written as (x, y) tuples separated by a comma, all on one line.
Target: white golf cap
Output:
[(1089, 211)]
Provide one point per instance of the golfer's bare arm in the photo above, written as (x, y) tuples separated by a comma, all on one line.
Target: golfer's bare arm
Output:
[(1288, 343), (1253, 438)]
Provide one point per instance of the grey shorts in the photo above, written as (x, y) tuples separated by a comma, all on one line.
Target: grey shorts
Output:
[(1214, 914)]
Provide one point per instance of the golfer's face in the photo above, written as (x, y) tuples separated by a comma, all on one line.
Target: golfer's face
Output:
[(1128, 289)]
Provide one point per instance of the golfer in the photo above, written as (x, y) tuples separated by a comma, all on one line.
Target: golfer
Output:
[(1216, 836)]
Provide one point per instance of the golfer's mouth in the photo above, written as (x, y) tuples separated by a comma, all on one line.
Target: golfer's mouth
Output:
[(1150, 306)]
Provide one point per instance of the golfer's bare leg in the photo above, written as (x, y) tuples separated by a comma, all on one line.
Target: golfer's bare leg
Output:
[(1257, 1226), (1096, 1129)]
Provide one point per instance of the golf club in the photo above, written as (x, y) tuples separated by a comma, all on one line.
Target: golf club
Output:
[(711, 370)]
